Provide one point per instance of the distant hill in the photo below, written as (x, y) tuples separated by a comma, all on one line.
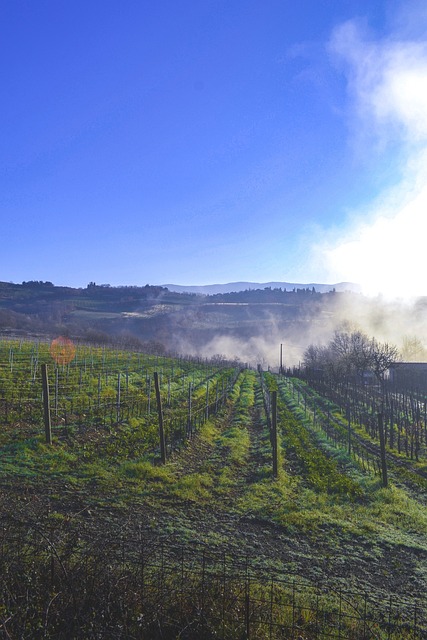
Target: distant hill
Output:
[(243, 319), (233, 287), (247, 320)]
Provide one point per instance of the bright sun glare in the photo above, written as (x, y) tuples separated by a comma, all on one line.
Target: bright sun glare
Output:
[(384, 249)]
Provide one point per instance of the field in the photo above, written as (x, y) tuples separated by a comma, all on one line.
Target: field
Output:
[(117, 530)]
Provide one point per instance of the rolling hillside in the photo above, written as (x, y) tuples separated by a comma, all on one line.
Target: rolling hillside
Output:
[(104, 536)]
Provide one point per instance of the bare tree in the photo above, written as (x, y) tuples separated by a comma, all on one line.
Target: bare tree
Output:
[(413, 349), (383, 356), (361, 355), (352, 353), (311, 356)]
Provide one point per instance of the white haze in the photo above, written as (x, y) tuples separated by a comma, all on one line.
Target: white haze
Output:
[(383, 247), (388, 321)]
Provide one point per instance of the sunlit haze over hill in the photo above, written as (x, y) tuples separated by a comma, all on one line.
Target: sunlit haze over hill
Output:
[(383, 247)]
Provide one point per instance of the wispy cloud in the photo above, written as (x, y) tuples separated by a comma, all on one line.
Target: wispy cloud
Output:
[(383, 247)]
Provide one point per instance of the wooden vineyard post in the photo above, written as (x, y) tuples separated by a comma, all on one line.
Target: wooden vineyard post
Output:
[(349, 428), (99, 389), (118, 397), (189, 423), (46, 407), (148, 395), (382, 447), (160, 412), (56, 390), (274, 431)]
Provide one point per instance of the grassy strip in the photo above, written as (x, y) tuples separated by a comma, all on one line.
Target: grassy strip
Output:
[(339, 424)]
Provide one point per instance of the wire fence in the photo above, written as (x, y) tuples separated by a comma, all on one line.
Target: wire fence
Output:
[(102, 390), (61, 583)]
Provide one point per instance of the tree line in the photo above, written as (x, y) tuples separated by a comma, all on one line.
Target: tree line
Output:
[(352, 354)]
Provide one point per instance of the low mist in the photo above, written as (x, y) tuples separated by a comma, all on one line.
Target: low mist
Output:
[(403, 324)]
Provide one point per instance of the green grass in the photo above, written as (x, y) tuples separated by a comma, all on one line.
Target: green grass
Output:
[(217, 487)]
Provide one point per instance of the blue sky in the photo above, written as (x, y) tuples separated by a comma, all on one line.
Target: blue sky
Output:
[(207, 141)]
